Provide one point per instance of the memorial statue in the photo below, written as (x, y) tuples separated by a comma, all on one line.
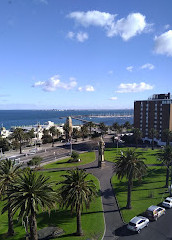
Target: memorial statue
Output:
[(101, 152)]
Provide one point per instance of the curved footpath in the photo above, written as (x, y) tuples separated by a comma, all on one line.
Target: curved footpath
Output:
[(112, 216), (111, 211)]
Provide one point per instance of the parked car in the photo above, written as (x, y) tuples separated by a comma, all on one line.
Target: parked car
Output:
[(137, 223), (167, 202), (154, 212), (33, 151)]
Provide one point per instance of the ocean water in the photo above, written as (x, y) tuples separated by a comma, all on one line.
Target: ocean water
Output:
[(9, 118)]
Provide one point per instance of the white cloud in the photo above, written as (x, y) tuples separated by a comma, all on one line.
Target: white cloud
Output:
[(129, 27), (94, 18), (80, 36), (163, 43), (39, 83), (87, 88), (130, 68), (54, 83), (134, 87), (132, 25), (70, 35), (148, 66), (113, 98)]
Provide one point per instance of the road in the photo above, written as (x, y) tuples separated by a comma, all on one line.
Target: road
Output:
[(157, 230), (52, 154)]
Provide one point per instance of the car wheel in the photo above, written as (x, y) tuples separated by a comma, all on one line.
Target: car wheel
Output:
[(156, 219), (147, 224), (138, 231)]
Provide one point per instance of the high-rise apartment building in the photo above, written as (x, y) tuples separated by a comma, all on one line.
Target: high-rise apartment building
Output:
[(156, 112)]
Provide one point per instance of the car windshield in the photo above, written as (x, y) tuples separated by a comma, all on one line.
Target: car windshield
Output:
[(167, 201), (159, 209), (132, 224)]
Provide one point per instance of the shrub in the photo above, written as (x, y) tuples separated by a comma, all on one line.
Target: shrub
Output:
[(35, 161), (74, 157)]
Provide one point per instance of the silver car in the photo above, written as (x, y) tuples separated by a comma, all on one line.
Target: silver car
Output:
[(137, 223), (167, 202)]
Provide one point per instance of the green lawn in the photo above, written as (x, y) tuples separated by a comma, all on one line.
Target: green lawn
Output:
[(150, 191), (147, 153), (92, 219), (85, 159)]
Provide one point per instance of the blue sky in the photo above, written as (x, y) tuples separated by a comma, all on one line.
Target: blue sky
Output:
[(76, 54)]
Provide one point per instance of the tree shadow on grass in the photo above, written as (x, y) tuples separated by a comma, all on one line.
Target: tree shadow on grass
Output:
[(155, 154), (4, 236), (67, 235), (55, 218), (149, 178)]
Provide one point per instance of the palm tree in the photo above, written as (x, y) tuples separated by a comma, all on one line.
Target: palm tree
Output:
[(153, 134), (137, 134), (46, 137), (167, 135), (29, 193), (53, 131), (75, 192), (19, 135), (132, 166), (84, 131), (166, 159), (58, 133), (90, 125), (75, 133), (103, 128), (68, 131), (115, 126), (8, 174), (29, 135), (127, 125)]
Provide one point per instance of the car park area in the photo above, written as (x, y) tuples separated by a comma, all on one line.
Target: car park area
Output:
[(157, 230)]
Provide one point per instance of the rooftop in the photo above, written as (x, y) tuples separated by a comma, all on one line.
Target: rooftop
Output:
[(159, 96)]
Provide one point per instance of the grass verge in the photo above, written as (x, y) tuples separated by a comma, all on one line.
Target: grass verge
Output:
[(150, 156), (85, 159), (149, 191)]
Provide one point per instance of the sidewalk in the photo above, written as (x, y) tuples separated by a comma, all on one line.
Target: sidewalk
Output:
[(110, 208)]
